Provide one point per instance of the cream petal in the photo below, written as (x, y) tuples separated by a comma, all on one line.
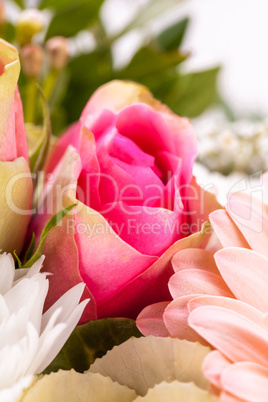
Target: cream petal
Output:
[(9, 74), (15, 203), (176, 391), (69, 386), (141, 363)]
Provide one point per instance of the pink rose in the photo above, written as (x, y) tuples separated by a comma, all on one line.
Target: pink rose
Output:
[(127, 163), (15, 178)]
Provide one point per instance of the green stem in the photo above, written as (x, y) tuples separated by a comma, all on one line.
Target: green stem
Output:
[(49, 83), (30, 102)]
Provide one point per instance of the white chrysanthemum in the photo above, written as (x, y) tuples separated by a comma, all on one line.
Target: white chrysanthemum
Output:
[(29, 339)]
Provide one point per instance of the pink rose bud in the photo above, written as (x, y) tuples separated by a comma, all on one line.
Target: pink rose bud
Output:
[(58, 52), (127, 165), (32, 57), (30, 22)]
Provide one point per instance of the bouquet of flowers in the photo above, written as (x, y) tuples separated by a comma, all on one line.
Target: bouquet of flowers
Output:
[(122, 278)]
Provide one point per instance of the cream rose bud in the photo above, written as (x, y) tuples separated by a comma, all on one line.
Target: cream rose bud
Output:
[(30, 22), (58, 52), (32, 57), (15, 177)]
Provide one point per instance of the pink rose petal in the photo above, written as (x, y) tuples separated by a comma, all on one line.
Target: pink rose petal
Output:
[(127, 151), (150, 286), (149, 230), (106, 262)]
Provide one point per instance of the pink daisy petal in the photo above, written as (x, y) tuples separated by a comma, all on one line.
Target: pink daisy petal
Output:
[(246, 274), (237, 337)]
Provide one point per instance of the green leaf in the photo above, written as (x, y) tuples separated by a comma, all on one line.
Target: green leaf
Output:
[(8, 32), (87, 72), (59, 120), (17, 259), (171, 38), (55, 96), (92, 340), (40, 140), (60, 5), (20, 3), (192, 93), (77, 16), (30, 250), (50, 225), (147, 61), (151, 10)]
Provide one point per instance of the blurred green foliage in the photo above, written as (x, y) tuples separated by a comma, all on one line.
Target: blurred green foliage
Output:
[(92, 340), (156, 64)]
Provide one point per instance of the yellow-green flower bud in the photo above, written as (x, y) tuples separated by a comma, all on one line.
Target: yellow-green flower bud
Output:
[(30, 22), (58, 52)]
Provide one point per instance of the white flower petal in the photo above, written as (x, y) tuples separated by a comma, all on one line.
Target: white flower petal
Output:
[(7, 270), (19, 274), (36, 267), (68, 301), (29, 341), (49, 347), (4, 312), (30, 293), (14, 393), (29, 272), (66, 332)]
